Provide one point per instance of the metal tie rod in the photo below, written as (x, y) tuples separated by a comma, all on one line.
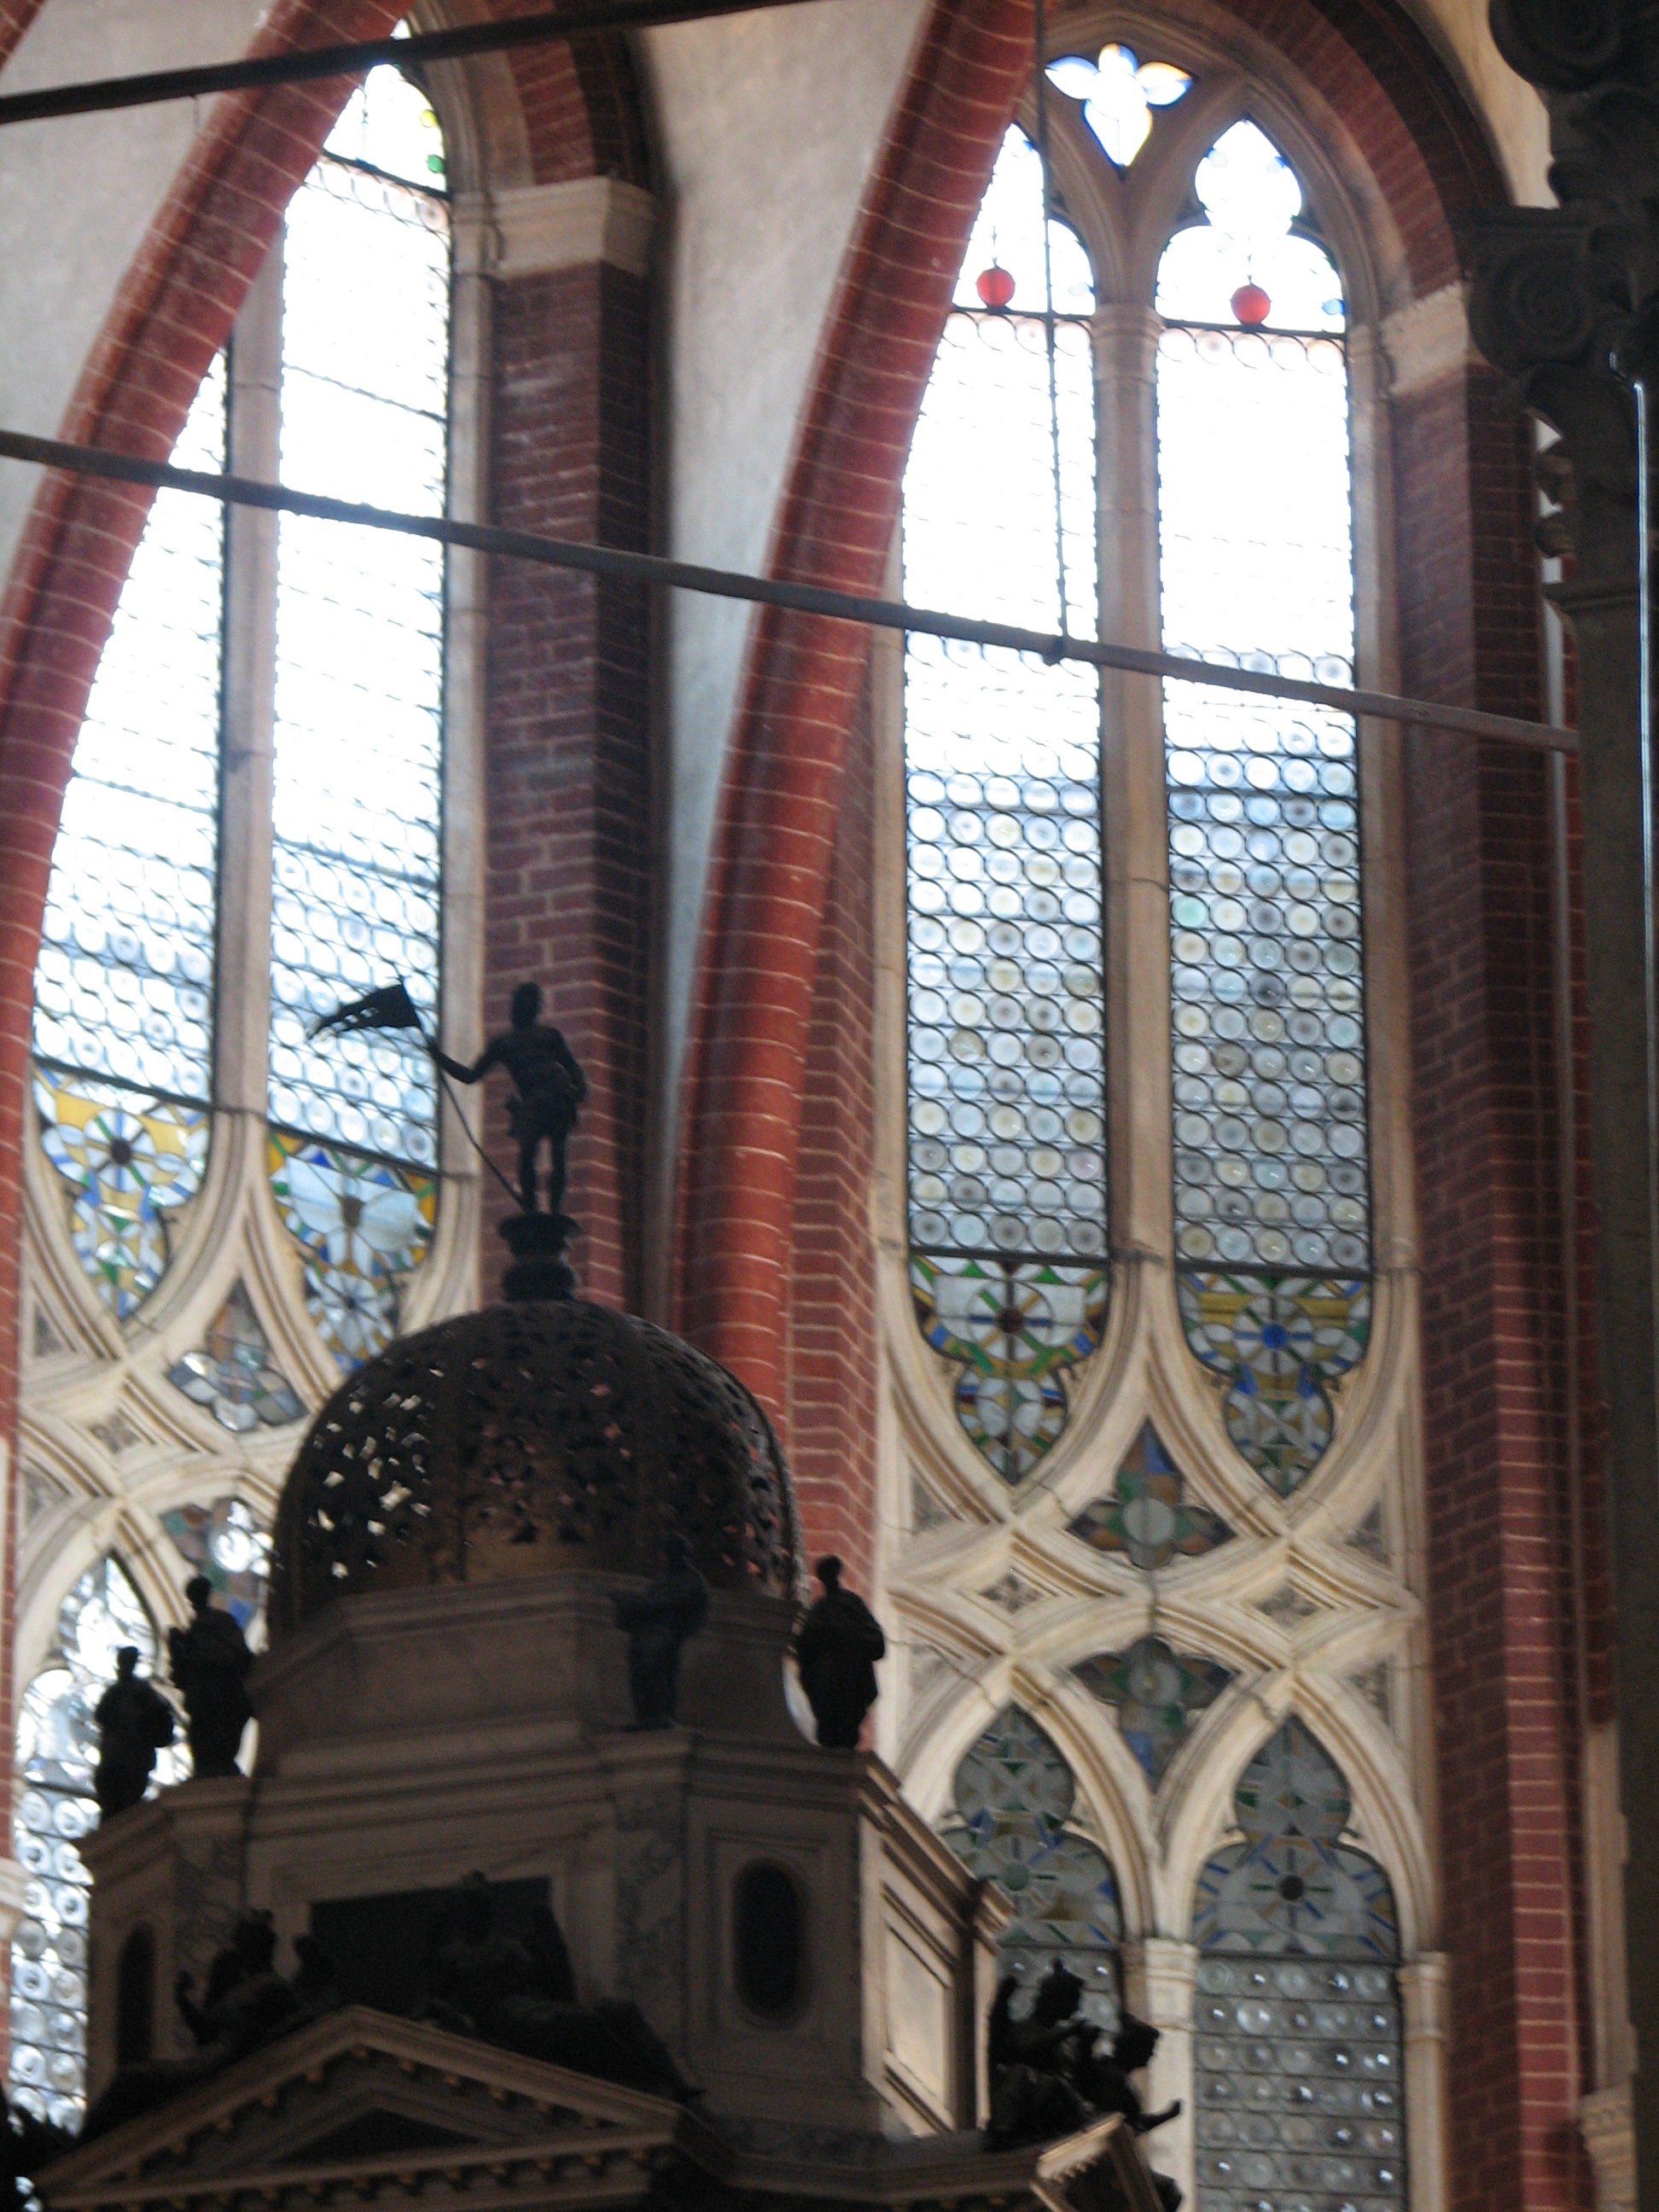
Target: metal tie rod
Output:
[(306, 64), (799, 599)]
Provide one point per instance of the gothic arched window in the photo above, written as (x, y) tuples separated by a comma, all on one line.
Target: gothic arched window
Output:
[(1297, 2022), (1007, 846), (1014, 1797), (320, 676)]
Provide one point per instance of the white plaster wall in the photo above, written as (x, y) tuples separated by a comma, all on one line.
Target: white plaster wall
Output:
[(78, 195), (768, 126)]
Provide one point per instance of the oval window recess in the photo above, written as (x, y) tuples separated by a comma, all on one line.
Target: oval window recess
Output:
[(769, 1942)]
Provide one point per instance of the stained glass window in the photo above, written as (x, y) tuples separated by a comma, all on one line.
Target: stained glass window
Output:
[(1156, 1693), (1007, 1176), (233, 1373), (57, 1752), (1148, 1518), (124, 982), (1118, 92), (1014, 1795), (1296, 2042), (360, 674), (224, 1542), (1273, 1204)]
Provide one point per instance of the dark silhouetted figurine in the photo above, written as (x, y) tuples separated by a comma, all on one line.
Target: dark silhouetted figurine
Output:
[(485, 1983), (210, 1662), (836, 1648), (550, 1086), (246, 2004), (1051, 2077), (27, 2145), (659, 1620), (135, 1721)]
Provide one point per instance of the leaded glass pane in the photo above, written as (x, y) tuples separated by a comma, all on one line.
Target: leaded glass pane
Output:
[(1119, 92), (1013, 1796), (362, 1227), (1007, 1181), (56, 1753), (123, 983), (128, 1165), (1296, 2042), (360, 636), (1272, 1198)]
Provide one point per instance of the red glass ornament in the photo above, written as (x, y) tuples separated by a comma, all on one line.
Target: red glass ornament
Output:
[(1251, 305), (994, 285)]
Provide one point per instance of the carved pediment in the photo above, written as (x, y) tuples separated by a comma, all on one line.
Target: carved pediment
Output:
[(364, 2104)]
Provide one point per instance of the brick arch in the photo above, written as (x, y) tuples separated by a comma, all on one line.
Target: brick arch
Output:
[(776, 835), (173, 312)]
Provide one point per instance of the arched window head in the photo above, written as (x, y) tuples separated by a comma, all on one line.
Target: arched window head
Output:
[(1255, 542), (56, 1753), (1013, 1799), (1007, 1121), (1297, 2021)]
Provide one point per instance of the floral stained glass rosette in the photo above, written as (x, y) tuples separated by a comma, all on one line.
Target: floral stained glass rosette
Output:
[(131, 1164), (364, 1226)]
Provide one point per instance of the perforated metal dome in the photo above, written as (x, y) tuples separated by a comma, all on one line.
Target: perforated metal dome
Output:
[(532, 1439)]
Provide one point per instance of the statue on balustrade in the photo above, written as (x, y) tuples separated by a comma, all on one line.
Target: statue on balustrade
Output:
[(836, 1648), (659, 1620), (210, 1665), (134, 1722)]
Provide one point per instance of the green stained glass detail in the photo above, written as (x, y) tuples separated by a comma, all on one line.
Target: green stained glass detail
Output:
[(1016, 1329), (130, 1165), (233, 1374), (1158, 1694), (1282, 1342), (362, 1227), (1147, 1519), (1014, 1794)]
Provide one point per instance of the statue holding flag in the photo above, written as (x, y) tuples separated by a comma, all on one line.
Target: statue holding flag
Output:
[(549, 1084)]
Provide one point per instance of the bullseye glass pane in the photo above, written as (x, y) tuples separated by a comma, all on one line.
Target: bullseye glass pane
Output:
[(360, 668), (1271, 1181), (124, 982), (1007, 1172)]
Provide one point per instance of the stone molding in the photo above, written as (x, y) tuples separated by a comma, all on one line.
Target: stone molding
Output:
[(529, 230), (1605, 2122), (1428, 340)]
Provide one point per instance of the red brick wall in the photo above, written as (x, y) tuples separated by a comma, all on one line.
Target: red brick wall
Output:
[(569, 783), (1500, 1605), (833, 1358)]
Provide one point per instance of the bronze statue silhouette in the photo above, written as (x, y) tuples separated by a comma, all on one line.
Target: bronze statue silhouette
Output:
[(135, 1721), (210, 1662), (483, 1982), (659, 1620), (551, 1090), (836, 1648)]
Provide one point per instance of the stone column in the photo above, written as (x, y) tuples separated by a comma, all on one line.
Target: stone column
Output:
[(1424, 2014), (1550, 307), (1160, 1976)]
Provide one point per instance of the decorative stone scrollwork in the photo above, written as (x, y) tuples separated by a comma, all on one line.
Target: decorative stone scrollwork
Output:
[(1563, 46)]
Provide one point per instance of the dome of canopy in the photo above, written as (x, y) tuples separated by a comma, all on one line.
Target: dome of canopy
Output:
[(533, 1438)]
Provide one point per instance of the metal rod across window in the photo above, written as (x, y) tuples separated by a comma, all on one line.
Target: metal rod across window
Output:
[(801, 599)]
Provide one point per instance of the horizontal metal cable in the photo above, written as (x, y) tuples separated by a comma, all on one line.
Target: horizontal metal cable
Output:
[(306, 63), (800, 599)]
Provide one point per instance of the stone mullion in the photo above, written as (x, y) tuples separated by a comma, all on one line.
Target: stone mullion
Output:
[(249, 714)]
